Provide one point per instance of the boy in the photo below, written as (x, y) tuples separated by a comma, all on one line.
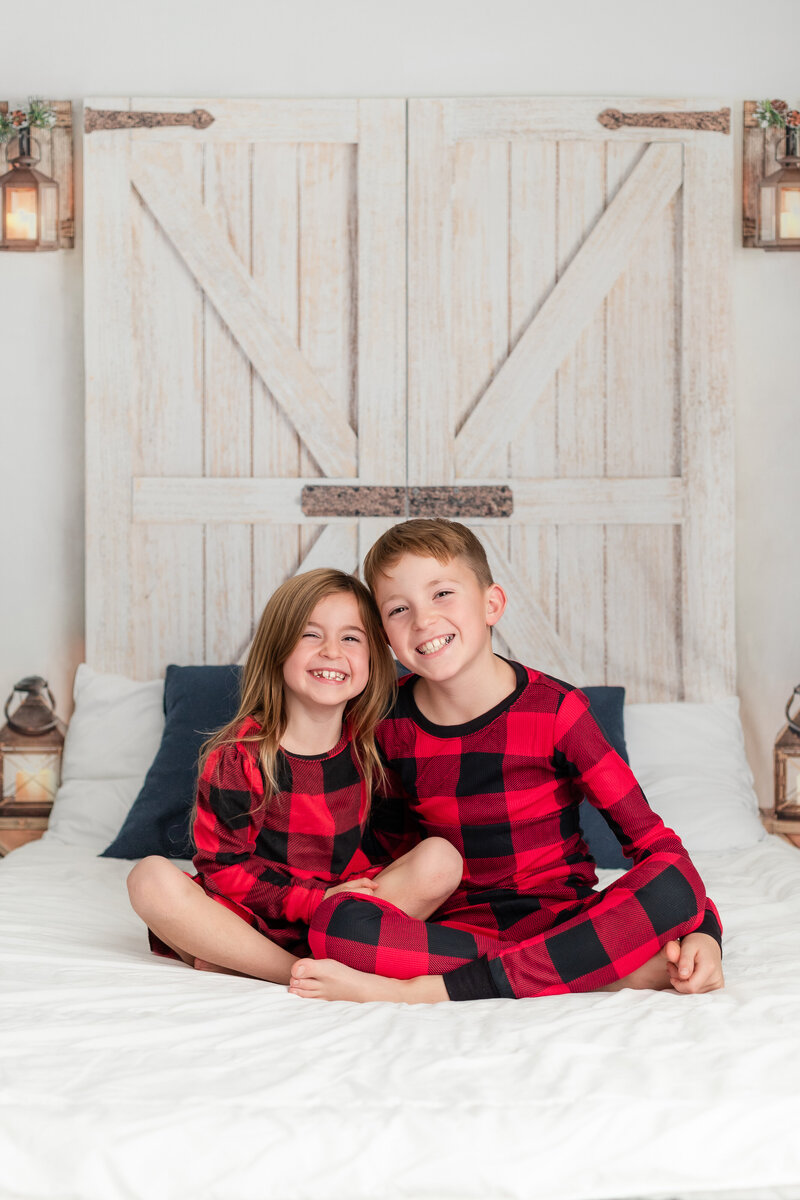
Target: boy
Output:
[(494, 757)]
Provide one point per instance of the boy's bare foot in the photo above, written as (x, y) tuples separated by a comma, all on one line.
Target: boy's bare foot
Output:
[(653, 974), (326, 979)]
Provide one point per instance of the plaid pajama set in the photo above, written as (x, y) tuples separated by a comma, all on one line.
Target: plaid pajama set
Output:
[(271, 864), (526, 919)]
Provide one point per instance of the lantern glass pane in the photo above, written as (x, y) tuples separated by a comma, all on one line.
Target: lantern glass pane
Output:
[(792, 782), (21, 214), (789, 208), (31, 776), (766, 215)]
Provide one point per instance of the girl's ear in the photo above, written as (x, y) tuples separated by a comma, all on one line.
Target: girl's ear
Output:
[(495, 604)]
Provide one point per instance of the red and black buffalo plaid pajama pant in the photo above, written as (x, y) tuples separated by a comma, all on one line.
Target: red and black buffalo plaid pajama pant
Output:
[(559, 947)]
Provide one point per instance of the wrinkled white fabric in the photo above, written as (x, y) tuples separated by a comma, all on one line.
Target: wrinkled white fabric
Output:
[(125, 1077)]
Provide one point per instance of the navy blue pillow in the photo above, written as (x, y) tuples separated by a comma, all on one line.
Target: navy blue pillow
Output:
[(605, 705), (197, 702)]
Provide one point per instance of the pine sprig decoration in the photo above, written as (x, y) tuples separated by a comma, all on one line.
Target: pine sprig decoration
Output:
[(776, 114), (37, 114)]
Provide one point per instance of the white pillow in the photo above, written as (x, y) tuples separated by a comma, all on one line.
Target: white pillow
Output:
[(691, 763), (112, 739)]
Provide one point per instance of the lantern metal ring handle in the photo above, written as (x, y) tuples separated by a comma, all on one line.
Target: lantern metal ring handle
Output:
[(795, 728), (30, 679)]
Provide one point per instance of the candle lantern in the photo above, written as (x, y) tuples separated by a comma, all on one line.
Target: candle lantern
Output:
[(28, 202), (31, 744), (778, 211), (785, 817)]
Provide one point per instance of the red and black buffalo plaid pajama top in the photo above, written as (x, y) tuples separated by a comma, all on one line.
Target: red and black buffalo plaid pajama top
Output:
[(526, 919), (272, 863)]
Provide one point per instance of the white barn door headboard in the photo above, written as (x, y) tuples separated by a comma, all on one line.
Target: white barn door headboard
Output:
[(265, 393)]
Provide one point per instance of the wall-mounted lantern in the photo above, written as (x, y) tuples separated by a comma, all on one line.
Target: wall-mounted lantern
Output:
[(28, 202), (33, 213), (771, 198)]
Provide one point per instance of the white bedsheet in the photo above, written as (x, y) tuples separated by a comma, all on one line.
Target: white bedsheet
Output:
[(122, 1076)]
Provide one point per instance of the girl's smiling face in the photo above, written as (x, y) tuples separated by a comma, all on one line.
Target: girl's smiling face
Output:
[(330, 663)]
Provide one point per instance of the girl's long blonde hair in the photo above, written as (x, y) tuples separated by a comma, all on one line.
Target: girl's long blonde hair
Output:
[(262, 694)]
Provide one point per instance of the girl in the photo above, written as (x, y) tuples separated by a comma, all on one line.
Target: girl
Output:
[(284, 793)]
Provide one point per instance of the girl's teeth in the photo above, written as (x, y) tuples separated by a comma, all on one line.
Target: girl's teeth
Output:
[(329, 675), (436, 644)]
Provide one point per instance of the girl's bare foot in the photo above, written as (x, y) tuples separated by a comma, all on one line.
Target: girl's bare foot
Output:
[(326, 979), (653, 974)]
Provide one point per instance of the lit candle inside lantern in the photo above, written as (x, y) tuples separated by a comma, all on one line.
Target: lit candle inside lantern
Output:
[(21, 214), (790, 212), (35, 786)]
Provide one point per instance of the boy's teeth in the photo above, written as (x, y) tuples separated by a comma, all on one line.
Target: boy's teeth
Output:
[(330, 675), (435, 644)]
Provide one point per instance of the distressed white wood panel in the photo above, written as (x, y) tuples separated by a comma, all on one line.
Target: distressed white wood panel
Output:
[(532, 275), (527, 631), (581, 400), (573, 302), (109, 400), (707, 412), (479, 281), (276, 446), (479, 287), (241, 305), (326, 284), (278, 121), (167, 334), (335, 546), (431, 403), (570, 117), (643, 405), (228, 413), (328, 300), (381, 249)]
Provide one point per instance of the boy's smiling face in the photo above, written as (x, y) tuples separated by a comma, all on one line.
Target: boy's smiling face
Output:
[(437, 615)]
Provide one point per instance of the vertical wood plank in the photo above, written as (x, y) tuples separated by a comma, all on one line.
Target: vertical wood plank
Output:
[(479, 287), (707, 409), (581, 391), (228, 382), (168, 579), (643, 440), (430, 368), (110, 399), (532, 275), (63, 171), (276, 446), (327, 252), (381, 298)]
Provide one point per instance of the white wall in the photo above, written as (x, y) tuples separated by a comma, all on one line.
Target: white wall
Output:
[(369, 47)]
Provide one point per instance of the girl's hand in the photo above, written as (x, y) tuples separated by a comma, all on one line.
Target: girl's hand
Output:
[(365, 886), (699, 968)]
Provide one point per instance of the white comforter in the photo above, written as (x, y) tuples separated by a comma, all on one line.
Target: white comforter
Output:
[(123, 1076)]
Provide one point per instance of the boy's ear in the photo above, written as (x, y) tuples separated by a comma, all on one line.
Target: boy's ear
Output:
[(495, 604)]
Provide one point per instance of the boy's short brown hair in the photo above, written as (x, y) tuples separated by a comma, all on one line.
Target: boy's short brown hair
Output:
[(436, 538)]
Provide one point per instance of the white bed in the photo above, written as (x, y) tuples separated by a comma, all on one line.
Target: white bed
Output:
[(124, 1076)]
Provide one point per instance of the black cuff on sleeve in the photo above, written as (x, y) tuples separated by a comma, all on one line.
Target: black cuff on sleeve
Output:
[(473, 981), (710, 925)]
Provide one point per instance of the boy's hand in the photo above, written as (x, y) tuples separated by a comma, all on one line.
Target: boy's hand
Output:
[(365, 886), (699, 967)]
